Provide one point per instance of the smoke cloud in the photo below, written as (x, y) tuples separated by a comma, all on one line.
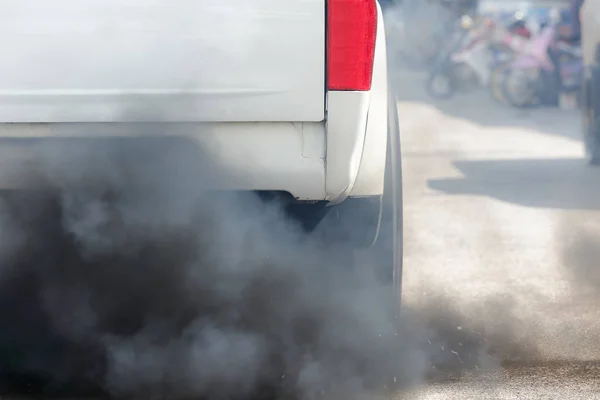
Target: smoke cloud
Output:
[(124, 274)]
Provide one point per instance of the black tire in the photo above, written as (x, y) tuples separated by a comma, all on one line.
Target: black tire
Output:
[(385, 252), (372, 226), (495, 85), (440, 76), (392, 213), (528, 100), (378, 241)]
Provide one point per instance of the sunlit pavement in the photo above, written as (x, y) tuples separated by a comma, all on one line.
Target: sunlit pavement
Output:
[(502, 232)]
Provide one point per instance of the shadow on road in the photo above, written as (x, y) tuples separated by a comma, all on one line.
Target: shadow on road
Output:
[(562, 183)]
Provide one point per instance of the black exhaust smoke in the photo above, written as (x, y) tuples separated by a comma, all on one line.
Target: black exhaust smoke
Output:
[(122, 274), (125, 275)]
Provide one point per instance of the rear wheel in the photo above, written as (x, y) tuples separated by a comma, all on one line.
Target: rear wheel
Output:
[(392, 222), (372, 227), (440, 85), (364, 235), (385, 252), (519, 89), (496, 79)]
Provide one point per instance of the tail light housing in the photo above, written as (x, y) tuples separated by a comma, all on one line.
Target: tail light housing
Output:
[(351, 34)]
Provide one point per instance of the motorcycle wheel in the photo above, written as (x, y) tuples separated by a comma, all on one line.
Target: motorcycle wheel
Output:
[(519, 90), (440, 85), (496, 80)]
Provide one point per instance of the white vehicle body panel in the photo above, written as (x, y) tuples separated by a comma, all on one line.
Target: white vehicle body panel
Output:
[(195, 60), (270, 156), (245, 81)]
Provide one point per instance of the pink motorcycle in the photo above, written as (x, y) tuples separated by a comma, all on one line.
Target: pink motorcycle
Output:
[(543, 69), (464, 62), (527, 80)]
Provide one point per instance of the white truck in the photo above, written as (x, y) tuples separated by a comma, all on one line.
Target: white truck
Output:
[(291, 97)]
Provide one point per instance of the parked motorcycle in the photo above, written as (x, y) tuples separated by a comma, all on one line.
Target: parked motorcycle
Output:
[(518, 26), (463, 63), (544, 70), (470, 60), (526, 81)]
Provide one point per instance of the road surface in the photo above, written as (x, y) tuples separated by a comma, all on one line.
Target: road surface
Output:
[(502, 228)]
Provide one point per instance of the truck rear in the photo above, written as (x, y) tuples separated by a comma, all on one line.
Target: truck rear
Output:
[(287, 97), (262, 71)]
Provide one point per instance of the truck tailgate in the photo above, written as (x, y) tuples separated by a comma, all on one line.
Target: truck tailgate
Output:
[(185, 60)]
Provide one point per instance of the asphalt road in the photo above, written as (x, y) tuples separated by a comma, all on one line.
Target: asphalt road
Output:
[(502, 236)]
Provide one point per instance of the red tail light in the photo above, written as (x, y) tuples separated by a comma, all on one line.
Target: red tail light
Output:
[(351, 32)]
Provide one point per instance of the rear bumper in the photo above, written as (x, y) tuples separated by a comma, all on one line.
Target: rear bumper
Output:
[(299, 158), (247, 156)]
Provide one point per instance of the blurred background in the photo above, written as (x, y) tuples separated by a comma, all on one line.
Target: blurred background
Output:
[(502, 200), (465, 45)]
